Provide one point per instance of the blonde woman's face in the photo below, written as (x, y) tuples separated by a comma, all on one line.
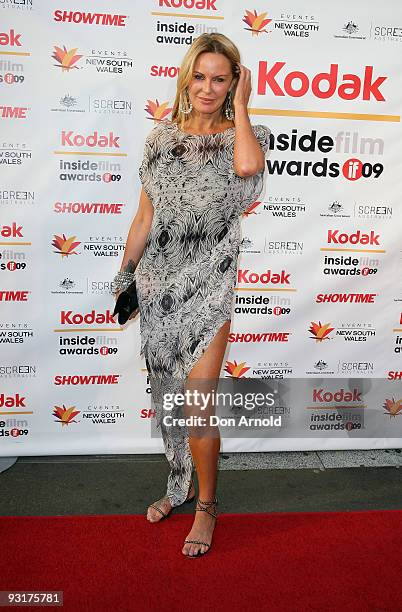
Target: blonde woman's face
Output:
[(211, 80)]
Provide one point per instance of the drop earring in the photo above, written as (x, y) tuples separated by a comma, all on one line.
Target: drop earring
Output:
[(182, 109), (228, 107)]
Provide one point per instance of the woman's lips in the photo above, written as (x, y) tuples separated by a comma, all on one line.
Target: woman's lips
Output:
[(206, 101)]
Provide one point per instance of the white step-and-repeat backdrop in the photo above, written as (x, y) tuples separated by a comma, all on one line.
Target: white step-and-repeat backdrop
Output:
[(319, 285)]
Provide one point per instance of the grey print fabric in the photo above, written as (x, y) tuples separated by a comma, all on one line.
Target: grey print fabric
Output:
[(187, 273)]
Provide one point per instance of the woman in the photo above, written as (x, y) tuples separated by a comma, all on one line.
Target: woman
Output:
[(200, 172)]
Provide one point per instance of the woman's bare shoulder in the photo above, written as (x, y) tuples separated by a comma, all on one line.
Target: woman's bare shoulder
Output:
[(154, 134)]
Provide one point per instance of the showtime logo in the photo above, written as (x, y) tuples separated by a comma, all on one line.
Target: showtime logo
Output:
[(13, 112), (246, 277), (350, 298), (10, 39), (200, 5), (14, 296), (102, 208), (105, 19), (259, 337), (69, 139), (93, 379), (358, 237), (394, 375), (67, 317), (323, 85)]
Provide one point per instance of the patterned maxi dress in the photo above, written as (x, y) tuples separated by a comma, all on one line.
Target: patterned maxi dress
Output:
[(187, 273)]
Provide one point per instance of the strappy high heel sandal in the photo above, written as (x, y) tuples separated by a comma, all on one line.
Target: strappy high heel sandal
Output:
[(164, 514), (199, 508)]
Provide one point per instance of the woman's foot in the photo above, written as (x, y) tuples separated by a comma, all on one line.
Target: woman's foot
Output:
[(154, 516), (202, 530)]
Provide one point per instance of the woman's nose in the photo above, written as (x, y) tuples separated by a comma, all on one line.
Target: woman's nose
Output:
[(206, 86)]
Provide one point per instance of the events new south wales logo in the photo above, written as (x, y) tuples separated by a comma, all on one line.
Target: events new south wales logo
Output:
[(110, 61), (290, 25)]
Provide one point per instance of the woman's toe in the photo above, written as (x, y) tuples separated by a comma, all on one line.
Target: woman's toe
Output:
[(152, 515)]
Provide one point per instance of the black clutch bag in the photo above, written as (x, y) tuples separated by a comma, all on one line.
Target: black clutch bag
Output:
[(126, 303)]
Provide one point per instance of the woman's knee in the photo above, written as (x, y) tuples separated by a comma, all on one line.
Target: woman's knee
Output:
[(210, 362)]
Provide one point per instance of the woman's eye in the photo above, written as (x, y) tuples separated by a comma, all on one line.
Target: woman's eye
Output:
[(219, 79)]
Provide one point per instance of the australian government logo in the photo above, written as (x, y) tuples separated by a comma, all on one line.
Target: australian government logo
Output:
[(67, 286), (350, 30), (335, 209), (100, 105), (68, 104), (320, 368)]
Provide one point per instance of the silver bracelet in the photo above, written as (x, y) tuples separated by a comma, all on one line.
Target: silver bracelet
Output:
[(122, 280)]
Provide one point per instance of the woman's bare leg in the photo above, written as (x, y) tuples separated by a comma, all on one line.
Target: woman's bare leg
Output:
[(205, 449)]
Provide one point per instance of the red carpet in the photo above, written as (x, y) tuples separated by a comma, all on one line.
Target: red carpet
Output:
[(286, 561)]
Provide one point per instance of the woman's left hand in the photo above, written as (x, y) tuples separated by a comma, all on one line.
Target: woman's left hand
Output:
[(134, 314), (243, 87)]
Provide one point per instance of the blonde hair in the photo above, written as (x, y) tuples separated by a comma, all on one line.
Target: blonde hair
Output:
[(212, 43)]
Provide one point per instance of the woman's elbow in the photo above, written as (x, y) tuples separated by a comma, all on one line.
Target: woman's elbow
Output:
[(249, 170)]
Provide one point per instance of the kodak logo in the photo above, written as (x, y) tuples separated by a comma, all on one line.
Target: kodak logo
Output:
[(67, 317), (11, 231), (245, 276), (10, 39), (69, 139), (200, 5), (323, 85), (319, 395), (12, 401), (358, 237)]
